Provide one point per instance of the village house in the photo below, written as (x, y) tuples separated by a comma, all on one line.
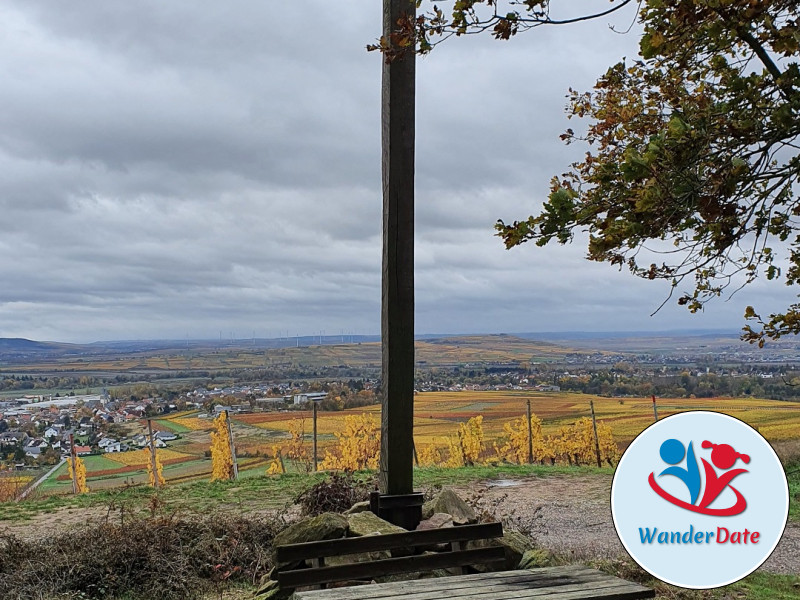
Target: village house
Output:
[(52, 431), (165, 436), (106, 442), (13, 437), (309, 397), (113, 446)]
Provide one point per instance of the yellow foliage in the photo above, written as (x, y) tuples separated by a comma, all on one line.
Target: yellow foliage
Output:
[(295, 448), (429, 456), (142, 459), (609, 450), (193, 423), (576, 443), (358, 446), (80, 474), (513, 445), (276, 466), (467, 446), (221, 458), (159, 470), (11, 484), (455, 456)]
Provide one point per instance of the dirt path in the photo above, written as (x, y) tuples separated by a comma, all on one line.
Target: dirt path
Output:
[(48, 523), (571, 515)]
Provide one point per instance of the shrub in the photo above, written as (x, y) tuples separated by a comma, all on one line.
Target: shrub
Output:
[(337, 493), (158, 557)]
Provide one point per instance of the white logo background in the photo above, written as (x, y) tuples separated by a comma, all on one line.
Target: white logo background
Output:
[(635, 505)]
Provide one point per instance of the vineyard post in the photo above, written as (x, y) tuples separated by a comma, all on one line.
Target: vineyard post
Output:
[(153, 463), (315, 435), (233, 448), (280, 458), (530, 434), (596, 440), (655, 409), (74, 454)]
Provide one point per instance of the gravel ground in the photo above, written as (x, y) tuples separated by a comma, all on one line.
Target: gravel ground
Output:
[(571, 515)]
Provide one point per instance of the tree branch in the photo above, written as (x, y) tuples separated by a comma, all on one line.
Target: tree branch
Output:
[(762, 54)]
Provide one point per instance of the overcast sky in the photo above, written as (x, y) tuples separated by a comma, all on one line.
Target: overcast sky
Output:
[(189, 168)]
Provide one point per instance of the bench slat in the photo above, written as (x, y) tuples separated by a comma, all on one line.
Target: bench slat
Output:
[(556, 583), (457, 586), (389, 566), (374, 543), (545, 577)]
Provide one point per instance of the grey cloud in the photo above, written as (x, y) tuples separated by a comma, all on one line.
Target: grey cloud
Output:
[(184, 168)]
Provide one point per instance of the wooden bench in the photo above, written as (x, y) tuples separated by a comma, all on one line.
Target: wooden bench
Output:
[(555, 583), (404, 549)]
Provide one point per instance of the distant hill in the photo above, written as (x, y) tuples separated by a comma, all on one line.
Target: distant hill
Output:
[(364, 350), (22, 348), (161, 356), (23, 345)]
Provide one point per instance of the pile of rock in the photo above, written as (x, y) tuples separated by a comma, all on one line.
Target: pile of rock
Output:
[(444, 510)]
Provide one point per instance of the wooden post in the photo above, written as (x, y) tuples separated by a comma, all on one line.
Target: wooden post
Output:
[(74, 454), (315, 436), (530, 435), (416, 456), (233, 447), (153, 464), (280, 459), (397, 295), (596, 440), (655, 409)]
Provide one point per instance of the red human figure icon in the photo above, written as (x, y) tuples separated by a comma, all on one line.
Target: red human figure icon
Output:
[(724, 457)]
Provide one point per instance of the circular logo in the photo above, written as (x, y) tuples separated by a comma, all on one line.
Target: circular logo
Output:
[(699, 499)]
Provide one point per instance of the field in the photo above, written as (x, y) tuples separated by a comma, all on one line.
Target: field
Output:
[(437, 414), (104, 473)]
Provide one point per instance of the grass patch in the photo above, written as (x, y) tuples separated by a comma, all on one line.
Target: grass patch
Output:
[(255, 490), (172, 425), (427, 476), (28, 508), (98, 462), (768, 586), (794, 493), (757, 586)]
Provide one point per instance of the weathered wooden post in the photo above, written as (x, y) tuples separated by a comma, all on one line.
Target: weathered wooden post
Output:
[(153, 464), (233, 447), (280, 459), (655, 409), (315, 435), (596, 440), (397, 294), (530, 434)]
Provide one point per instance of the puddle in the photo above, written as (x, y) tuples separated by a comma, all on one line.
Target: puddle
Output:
[(504, 483)]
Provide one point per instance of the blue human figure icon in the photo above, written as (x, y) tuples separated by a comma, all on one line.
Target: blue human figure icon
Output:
[(672, 453)]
